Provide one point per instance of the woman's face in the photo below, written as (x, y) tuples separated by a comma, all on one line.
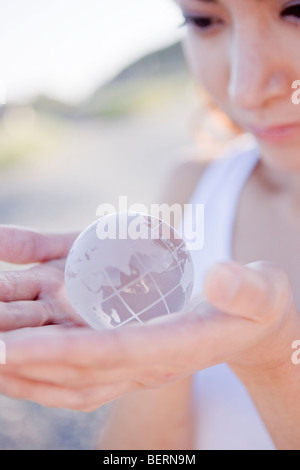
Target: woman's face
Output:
[(246, 53)]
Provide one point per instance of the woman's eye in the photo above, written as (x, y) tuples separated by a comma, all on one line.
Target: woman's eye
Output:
[(292, 11), (201, 22)]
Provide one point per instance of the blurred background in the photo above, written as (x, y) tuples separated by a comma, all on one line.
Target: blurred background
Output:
[(96, 102), (97, 105)]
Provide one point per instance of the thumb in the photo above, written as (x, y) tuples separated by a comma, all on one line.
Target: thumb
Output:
[(22, 245), (255, 291)]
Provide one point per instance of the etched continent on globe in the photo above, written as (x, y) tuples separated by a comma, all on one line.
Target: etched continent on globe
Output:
[(128, 268)]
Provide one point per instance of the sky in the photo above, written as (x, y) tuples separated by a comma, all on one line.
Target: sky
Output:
[(66, 48)]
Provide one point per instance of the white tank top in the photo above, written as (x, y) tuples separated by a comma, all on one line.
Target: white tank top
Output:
[(226, 417)]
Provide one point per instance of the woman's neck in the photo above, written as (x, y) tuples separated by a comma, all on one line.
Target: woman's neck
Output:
[(283, 186)]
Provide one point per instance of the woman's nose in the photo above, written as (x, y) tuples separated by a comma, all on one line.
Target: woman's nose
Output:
[(257, 72)]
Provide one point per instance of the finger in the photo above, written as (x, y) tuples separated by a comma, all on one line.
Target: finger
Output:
[(14, 315), (70, 375), (74, 346), (254, 291), (21, 245), (66, 375), (19, 285), (149, 354), (84, 399), (161, 349), (55, 374), (84, 347)]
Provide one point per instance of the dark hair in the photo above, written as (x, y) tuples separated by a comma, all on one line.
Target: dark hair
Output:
[(210, 126)]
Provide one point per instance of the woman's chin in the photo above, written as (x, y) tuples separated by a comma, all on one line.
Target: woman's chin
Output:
[(283, 158)]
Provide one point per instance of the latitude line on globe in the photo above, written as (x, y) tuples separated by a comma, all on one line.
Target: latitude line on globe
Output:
[(162, 238), (157, 287), (131, 283), (166, 245), (174, 251), (120, 298), (158, 301), (146, 273), (137, 315), (150, 306)]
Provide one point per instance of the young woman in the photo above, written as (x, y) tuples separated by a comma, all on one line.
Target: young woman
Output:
[(222, 372)]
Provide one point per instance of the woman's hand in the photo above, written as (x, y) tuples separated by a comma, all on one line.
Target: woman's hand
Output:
[(248, 320), (35, 296)]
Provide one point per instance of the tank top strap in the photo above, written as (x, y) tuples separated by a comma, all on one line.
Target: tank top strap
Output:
[(219, 190)]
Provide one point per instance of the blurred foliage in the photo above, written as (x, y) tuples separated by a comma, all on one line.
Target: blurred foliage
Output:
[(136, 96), (149, 84), (26, 135)]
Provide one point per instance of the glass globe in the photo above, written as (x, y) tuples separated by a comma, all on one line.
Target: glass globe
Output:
[(128, 268)]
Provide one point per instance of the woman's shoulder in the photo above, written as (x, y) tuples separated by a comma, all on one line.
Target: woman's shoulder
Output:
[(185, 176), (193, 163)]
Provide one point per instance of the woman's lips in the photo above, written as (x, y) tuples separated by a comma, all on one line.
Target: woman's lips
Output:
[(276, 133)]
